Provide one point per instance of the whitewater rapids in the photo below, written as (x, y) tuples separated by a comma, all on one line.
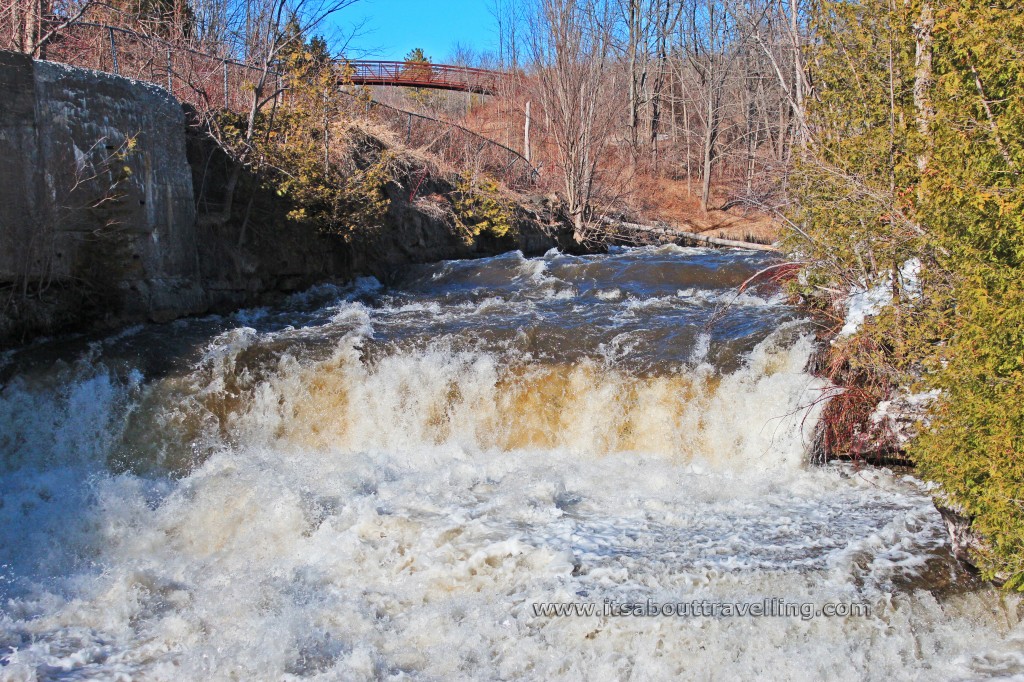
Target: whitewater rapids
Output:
[(382, 480)]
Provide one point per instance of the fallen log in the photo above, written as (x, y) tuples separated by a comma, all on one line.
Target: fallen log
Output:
[(680, 236)]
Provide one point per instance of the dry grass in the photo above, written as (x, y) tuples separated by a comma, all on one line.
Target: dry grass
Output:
[(409, 158), (643, 194), (671, 202)]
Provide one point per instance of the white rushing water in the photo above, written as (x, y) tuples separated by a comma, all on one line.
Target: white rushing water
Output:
[(379, 483)]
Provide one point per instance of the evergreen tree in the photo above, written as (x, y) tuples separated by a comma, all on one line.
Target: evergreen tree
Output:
[(417, 66), (972, 200), (919, 129)]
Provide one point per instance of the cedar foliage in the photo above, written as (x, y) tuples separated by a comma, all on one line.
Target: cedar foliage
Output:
[(307, 152), (973, 203), (867, 204), (480, 208)]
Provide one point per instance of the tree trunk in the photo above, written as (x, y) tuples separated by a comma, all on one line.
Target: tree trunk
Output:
[(634, 95), (578, 227), (751, 144), (659, 83), (33, 18), (686, 131), (799, 109), (923, 79), (710, 137)]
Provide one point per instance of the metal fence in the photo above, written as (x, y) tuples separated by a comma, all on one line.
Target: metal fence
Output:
[(459, 147), (200, 78)]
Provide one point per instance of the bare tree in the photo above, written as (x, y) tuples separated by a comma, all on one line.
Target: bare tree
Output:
[(712, 45), (268, 29), (30, 24), (637, 65), (666, 16), (508, 17), (571, 52)]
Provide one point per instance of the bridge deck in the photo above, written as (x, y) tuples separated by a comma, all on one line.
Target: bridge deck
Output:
[(432, 76)]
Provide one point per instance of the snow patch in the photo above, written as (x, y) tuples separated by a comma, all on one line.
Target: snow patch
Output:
[(900, 415), (865, 301)]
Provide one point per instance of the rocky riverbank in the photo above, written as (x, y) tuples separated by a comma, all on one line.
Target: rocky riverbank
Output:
[(870, 420), (102, 205)]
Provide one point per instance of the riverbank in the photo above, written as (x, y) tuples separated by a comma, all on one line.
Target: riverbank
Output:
[(875, 413), (108, 192), (117, 207)]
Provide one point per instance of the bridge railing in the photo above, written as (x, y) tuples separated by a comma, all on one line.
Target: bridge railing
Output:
[(415, 74), (210, 82)]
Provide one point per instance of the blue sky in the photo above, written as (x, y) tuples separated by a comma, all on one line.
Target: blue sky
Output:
[(393, 27)]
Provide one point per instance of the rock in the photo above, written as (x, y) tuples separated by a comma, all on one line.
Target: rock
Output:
[(898, 418), (964, 540)]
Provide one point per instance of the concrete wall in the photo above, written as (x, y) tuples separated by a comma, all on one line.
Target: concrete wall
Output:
[(95, 189), (20, 171)]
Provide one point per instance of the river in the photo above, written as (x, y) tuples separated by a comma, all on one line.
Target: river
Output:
[(396, 480)]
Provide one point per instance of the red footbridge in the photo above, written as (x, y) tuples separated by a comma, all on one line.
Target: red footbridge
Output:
[(423, 75)]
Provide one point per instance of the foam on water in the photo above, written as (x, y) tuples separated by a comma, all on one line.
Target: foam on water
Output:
[(360, 509)]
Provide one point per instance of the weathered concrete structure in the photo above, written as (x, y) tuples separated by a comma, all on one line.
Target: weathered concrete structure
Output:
[(95, 189), (95, 163), (101, 179)]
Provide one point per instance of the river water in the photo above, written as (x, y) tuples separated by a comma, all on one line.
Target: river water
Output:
[(390, 480)]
